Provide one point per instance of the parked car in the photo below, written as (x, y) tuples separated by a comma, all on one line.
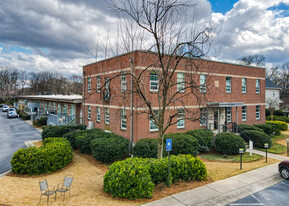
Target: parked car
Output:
[(1, 105), (12, 113), (5, 108), (284, 169)]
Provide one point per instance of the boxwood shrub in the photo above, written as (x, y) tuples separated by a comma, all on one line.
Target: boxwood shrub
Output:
[(204, 137), (109, 149), (55, 154), (59, 131), (259, 138), (182, 143), (278, 118), (249, 127), (277, 131), (137, 177), (282, 125), (40, 122), (146, 148), (267, 128), (229, 144)]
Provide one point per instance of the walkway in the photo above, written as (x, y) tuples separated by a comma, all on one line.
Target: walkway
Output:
[(228, 190)]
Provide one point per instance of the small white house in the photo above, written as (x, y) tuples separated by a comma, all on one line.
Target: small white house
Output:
[(272, 94)]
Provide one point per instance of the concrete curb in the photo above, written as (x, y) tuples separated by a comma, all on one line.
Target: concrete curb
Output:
[(31, 123)]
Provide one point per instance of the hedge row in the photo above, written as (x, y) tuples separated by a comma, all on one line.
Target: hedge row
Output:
[(282, 125), (59, 131), (24, 116), (229, 144), (136, 178), (279, 118), (40, 122), (267, 128), (204, 138), (258, 138), (242, 127), (55, 154)]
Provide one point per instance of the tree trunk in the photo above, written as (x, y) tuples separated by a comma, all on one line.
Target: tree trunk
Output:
[(160, 145)]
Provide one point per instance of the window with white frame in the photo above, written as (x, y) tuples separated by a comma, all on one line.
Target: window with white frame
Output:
[(181, 118), (123, 119), (229, 114), (98, 84), (181, 82), (54, 106), (89, 112), (154, 81), (153, 126), (89, 84), (98, 114), (244, 113), (203, 117), (257, 112), (228, 85), (257, 86), (58, 108), (203, 87), (106, 117), (107, 81), (72, 110), (123, 82), (244, 85), (64, 110)]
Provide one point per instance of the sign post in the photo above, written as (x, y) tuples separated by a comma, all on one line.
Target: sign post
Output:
[(241, 151), (266, 145), (287, 140), (168, 149), (250, 146)]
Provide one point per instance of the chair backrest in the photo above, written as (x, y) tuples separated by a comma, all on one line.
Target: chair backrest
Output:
[(43, 185), (67, 181)]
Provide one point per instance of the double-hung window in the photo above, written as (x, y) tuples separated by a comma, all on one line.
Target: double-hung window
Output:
[(181, 118), (98, 84), (181, 82), (123, 82), (153, 126), (154, 81), (98, 114), (229, 114), (257, 86), (203, 117), (244, 85), (89, 84), (123, 119), (244, 113), (203, 87), (257, 112), (106, 119), (228, 85), (89, 112)]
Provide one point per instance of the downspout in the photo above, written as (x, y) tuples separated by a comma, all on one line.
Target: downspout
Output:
[(83, 108), (131, 108)]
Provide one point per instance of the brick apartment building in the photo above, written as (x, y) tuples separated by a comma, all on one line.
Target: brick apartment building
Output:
[(235, 94)]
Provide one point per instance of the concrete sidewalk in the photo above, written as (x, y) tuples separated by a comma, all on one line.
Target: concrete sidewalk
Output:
[(228, 190)]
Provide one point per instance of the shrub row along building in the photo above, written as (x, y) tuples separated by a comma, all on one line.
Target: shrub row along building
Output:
[(225, 94)]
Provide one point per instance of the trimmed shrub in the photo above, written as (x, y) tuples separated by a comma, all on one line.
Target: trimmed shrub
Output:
[(204, 137), (24, 116), (229, 144), (267, 128), (182, 143), (146, 148), (71, 136), (259, 138), (40, 122), (136, 178), (249, 127), (55, 154), (282, 125), (267, 111), (109, 149), (275, 126), (59, 131), (279, 113)]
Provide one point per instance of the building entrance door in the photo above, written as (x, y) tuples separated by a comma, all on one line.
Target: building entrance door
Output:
[(216, 119)]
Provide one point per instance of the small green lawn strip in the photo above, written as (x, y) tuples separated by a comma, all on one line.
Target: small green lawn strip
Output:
[(275, 148), (277, 137), (230, 158)]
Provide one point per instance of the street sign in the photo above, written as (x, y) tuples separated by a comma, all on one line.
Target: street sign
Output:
[(241, 150), (169, 145), (266, 145), (287, 140)]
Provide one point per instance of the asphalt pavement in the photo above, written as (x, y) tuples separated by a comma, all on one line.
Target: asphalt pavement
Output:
[(13, 133)]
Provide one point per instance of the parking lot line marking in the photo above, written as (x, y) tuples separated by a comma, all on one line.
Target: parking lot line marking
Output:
[(245, 204)]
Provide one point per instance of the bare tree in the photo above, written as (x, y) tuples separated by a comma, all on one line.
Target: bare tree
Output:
[(257, 59), (8, 82), (272, 105), (175, 40)]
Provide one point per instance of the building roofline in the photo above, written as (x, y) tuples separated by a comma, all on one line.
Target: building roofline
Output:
[(143, 51), (76, 99)]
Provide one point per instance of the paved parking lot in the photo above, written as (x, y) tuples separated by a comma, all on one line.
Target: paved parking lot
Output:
[(13, 133), (276, 195)]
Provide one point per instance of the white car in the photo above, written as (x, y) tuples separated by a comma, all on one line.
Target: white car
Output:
[(5, 108), (12, 113)]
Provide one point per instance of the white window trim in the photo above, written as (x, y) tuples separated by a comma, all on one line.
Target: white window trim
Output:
[(245, 86), (203, 86), (155, 81), (98, 84), (89, 84), (203, 113), (123, 120), (181, 83), (89, 112), (98, 114), (123, 82), (229, 115), (107, 116), (259, 112), (152, 130), (258, 91), (228, 85), (181, 119), (244, 120)]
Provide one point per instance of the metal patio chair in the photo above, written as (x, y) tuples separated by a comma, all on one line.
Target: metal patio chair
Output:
[(65, 187), (45, 190)]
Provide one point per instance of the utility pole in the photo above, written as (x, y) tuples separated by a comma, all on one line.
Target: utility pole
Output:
[(83, 109)]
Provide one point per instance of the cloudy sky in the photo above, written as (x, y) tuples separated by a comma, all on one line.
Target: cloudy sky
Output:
[(61, 35)]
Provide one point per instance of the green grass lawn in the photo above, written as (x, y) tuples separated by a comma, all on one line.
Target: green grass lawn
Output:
[(277, 137), (230, 158), (276, 148)]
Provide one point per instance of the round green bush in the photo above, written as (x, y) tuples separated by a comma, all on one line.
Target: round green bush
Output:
[(59, 131), (278, 118), (146, 148), (279, 112), (248, 127), (259, 138), (229, 144), (109, 149), (204, 137), (275, 126), (268, 129), (182, 144), (71, 136), (129, 179), (55, 154), (282, 125)]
